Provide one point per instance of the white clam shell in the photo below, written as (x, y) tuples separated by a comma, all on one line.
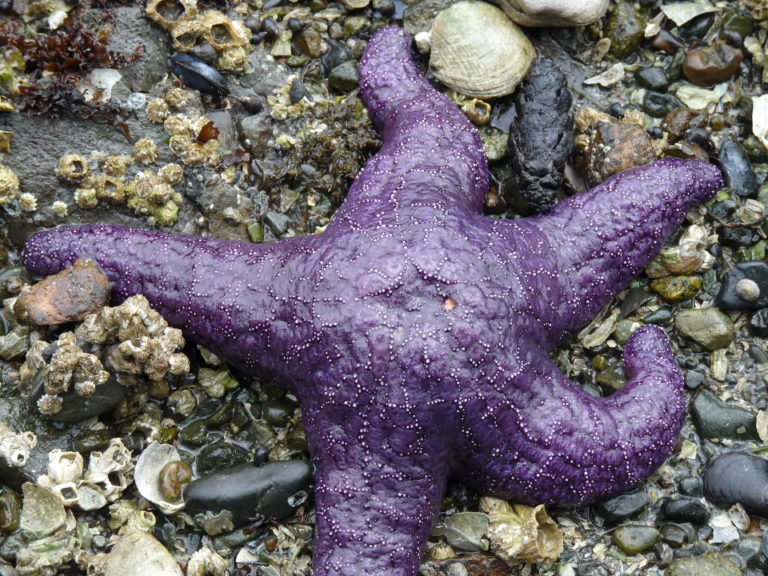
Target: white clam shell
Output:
[(478, 51), (147, 476), (554, 12), (140, 553)]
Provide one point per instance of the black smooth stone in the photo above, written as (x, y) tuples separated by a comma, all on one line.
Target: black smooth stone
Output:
[(623, 506), (676, 535), (274, 490), (729, 299), (684, 510), (659, 105), (738, 477), (652, 78), (198, 75), (700, 137), (738, 237), (693, 379), (76, 408), (724, 209), (737, 169), (337, 54), (697, 28), (616, 110), (759, 323)]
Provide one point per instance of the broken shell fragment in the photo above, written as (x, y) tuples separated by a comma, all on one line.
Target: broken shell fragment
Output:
[(137, 549), (148, 476), (521, 533), (478, 51), (42, 512)]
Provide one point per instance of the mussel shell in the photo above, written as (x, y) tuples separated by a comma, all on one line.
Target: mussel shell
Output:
[(198, 75), (738, 477), (249, 491), (77, 408)]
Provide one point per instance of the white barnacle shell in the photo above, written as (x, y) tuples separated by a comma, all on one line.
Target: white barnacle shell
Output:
[(554, 12), (14, 448), (111, 470), (151, 463), (64, 466), (478, 51)]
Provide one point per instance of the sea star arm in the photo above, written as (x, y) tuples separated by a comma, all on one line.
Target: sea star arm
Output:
[(542, 439), (431, 163), (379, 478), (591, 246), (239, 300)]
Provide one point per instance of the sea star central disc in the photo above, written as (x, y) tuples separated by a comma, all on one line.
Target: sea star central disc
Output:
[(416, 331)]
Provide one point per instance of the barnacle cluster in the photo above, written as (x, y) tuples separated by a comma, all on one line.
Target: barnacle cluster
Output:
[(104, 480), (9, 185), (9, 182), (189, 27), (131, 340), (191, 136), (148, 193)]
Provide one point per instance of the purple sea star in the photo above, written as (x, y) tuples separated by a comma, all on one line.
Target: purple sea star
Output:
[(416, 331)]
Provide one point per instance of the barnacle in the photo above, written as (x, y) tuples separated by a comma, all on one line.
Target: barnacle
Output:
[(9, 185), (72, 167)]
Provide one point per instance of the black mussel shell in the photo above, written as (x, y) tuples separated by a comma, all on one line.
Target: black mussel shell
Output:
[(198, 75), (738, 477), (274, 490)]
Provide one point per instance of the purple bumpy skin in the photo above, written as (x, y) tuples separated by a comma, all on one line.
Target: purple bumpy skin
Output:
[(416, 331)]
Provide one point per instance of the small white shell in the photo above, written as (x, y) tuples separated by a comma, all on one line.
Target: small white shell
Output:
[(151, 462), (748, 289), (478, 51), (554, 12), (64, 467)]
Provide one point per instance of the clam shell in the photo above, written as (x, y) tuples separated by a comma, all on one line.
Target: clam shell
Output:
[(554, 12), (147, 475), (478, 51)]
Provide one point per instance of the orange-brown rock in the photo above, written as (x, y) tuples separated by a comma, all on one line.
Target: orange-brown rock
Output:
[(679, 120), (617, 147), (68, 296), (712, 64)]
